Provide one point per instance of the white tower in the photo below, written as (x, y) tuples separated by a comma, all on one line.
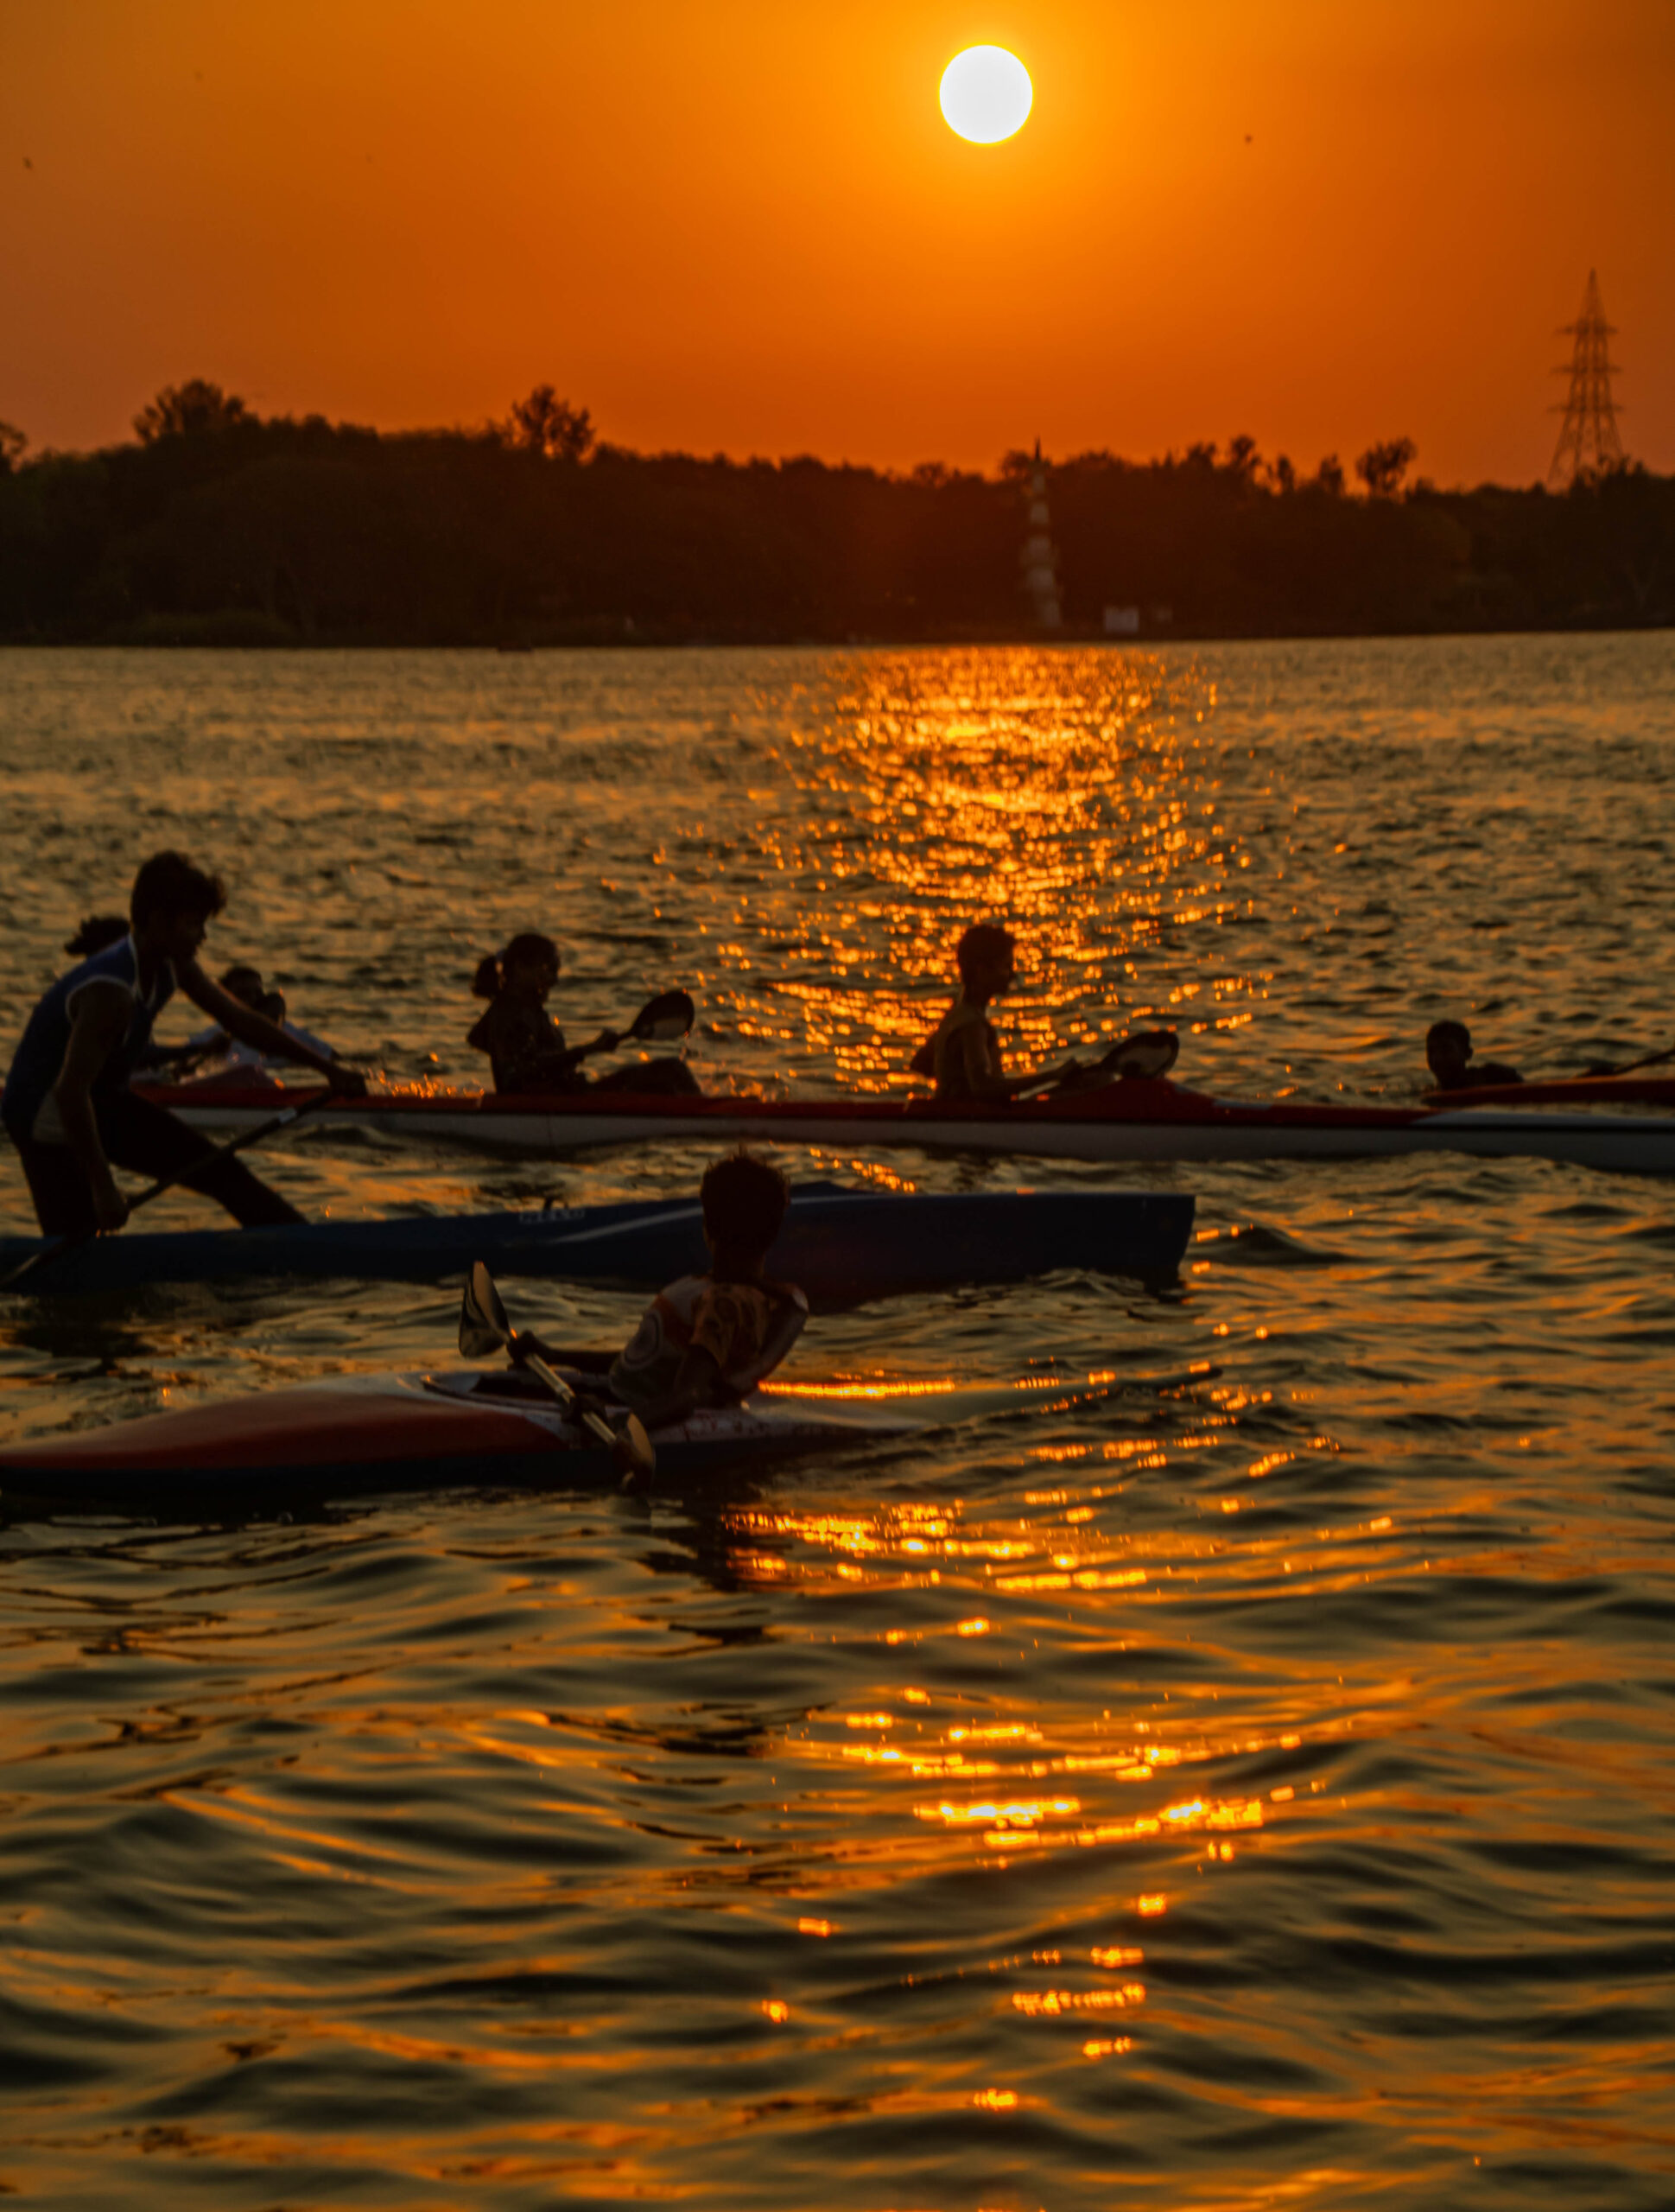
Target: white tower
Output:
[(1039, 558)]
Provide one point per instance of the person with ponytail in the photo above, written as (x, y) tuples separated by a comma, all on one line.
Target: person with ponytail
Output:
[(526, 1048)]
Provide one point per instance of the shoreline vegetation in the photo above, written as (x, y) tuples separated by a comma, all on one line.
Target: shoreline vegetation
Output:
[(216, 527)]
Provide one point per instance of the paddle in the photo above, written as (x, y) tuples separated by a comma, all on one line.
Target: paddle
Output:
[(270, 1127), (1629, 1067), (484, 1328), (660, 1021), (1148, 1053)]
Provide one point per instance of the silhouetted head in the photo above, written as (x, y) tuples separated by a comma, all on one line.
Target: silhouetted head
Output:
[(169, 884), (1447, 1049), (97, 934), (987, 957), (744, 1201), (244, 984), (172, 903), (529, 958)]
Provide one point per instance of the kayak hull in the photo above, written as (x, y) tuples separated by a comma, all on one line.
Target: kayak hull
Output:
[(1127, 1121), (364, 1434), (842, 1247)]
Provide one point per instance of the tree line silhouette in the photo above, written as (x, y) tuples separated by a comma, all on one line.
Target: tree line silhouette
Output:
[(217, 525)]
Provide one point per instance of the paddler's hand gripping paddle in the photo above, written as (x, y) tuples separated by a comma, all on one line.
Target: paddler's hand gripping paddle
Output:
[(659, 1021), (484, 1328), (1147, 1053)]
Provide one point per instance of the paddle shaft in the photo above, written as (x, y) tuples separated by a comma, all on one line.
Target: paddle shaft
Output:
[(270, 1127), (1632, 1067)]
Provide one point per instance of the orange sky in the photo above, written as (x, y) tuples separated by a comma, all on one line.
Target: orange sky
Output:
[(743, 225)]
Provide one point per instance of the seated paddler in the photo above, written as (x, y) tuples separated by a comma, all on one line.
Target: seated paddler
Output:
[(962, 1054), (710, 1339), (525, 1046), (1448, 1055), (67, 1106)]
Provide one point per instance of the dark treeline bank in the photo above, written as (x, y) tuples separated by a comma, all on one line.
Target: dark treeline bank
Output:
[(216, 526)]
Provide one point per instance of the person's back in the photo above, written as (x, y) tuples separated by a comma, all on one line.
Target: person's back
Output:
[(709, 1339)]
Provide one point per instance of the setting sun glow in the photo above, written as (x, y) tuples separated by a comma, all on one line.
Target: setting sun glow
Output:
[(985, 94)]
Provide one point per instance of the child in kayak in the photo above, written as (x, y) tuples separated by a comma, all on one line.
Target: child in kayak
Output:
[(1448, 1050), (526, 1048), (963, 1054), (709, 1339), (245, 984)]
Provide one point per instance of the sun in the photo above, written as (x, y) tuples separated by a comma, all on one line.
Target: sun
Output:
[(985, 94)]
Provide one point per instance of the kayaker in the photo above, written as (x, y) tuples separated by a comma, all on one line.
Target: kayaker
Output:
[(526, 1048), (709, 1339), (1448, 1054), (962, 1054), (67, 1107), (245, 984)]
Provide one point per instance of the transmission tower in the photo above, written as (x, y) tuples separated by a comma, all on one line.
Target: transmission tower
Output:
[(1588, 441)]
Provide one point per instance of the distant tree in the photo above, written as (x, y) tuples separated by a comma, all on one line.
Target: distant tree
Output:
[(1203, 456), (1382, 467), (196, 409), (1243, 460), (933, 474), (12, 443), (1329, 476), (1016, 463), (544, 423), (1282, 476)]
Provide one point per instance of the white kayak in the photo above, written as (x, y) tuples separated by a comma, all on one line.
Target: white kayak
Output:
[(1135, 1119)]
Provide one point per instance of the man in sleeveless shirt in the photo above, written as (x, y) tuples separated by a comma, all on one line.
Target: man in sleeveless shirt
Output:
[(67, 1107)]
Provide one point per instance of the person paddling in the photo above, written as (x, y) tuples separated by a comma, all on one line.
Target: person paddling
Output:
[(709, 1339), (525, 1046), (67, 1106), (962, 1054), (245, 984), (1448, 1054)]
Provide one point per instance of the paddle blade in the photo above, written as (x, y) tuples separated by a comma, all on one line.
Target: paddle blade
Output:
[(1150, 1052), (664, 1018), (636, 1458), (484, 1328)]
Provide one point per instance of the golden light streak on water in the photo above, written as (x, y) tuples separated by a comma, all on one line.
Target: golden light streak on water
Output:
[(561, 1845)]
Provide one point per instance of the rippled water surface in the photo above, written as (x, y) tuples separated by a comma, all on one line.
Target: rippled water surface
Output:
[(1210, 1787)]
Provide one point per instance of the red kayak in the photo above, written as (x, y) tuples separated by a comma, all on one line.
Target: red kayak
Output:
[(1567, 1090), (1133, 1119)]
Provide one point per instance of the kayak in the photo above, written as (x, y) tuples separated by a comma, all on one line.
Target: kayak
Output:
[(1567, 1091), (355, 1435), (841, 1247), (1135, 1119), (361, 1434)]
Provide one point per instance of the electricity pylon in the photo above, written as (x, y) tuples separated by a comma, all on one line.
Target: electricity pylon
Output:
[(1588, 441)]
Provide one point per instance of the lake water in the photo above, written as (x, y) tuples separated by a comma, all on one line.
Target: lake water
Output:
[(1245, 1794)]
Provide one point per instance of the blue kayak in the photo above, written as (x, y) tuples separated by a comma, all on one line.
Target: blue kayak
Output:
[(842, 1247)]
